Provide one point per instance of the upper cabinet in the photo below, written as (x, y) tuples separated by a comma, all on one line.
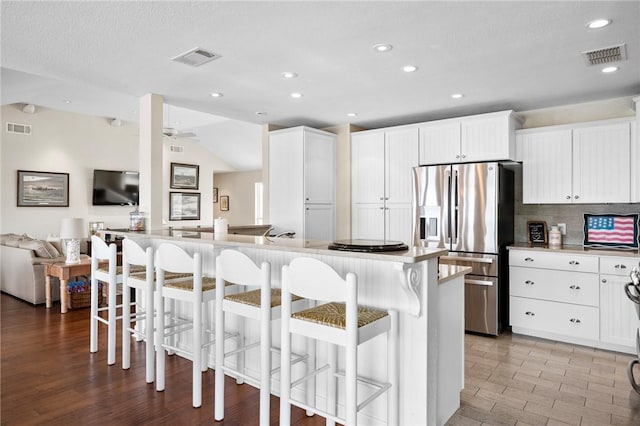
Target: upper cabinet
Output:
[(576, 164), (483, 137)]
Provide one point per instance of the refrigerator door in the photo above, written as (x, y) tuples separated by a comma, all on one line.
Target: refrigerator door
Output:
[(481, 308), (431, 201), (474, 208)]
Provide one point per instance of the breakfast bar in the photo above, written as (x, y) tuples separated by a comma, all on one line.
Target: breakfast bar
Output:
[(429, 301)]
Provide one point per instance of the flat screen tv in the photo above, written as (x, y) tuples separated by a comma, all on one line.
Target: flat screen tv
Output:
[(115, 188)]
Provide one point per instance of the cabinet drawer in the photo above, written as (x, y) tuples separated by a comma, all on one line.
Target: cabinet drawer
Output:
[(618, 265), (580, 288), (554, 317), (553, 260)]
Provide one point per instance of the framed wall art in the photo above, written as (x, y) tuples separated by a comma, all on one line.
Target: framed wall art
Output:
[(42, 189), (537, 232), (184, 176), (224, 203), (184, 206), (611, 230), (215, 195)]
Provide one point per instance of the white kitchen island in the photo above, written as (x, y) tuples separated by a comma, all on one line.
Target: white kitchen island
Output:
[(431, 314)]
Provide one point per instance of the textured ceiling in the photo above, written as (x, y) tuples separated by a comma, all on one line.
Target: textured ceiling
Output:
[(521, 55)]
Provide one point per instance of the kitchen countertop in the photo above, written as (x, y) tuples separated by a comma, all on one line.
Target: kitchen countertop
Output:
[(412, 255), (577, 249), (448, 272)]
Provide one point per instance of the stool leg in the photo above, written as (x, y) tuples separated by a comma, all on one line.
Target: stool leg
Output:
[(204, 352), (197, 350), (240, 355), (159, 341), (93, 339), (126, 321), (285, 366), (351, 374), (332, 381), (139, 325), (265, 358), (149, 333), (393, 396), (219, 373), (310, 390), (111, 327)]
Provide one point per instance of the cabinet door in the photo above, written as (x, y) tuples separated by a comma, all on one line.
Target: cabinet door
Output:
[(319, 168), (368, 221), (440, 142), (367, 167), (546, 167), (601, 166), (401, 156), (487, 138), (285, 181), (398, 223), (618, 318), (319, 222)]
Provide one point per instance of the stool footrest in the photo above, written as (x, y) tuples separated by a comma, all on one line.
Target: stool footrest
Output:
[(310, 375)]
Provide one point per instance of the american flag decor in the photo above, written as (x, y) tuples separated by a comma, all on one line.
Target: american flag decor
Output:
[(611, 230)]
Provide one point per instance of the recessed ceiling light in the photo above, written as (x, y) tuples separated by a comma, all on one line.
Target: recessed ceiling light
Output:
[(261, 113), (457, 96), (352, 114), (598, 23), (216, 94), (296, 95), (608, 70), (409, 68), (288, 75), (67, 101), (381, 48)]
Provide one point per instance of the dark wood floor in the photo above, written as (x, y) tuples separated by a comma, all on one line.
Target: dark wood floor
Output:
[(49, 377)]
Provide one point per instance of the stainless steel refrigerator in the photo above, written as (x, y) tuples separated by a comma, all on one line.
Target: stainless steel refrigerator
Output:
[(468, 209)]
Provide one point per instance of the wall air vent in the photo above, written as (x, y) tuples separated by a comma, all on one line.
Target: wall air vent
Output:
[(176, 149), (605, 55), (196, 57), (21, 129)]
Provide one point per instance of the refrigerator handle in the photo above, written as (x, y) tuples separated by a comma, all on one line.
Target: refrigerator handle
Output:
[(454, 208), (447, 227)]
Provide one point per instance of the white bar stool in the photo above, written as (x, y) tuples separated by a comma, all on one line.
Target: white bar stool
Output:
[(197, 290), (263, 305), (341, 322)]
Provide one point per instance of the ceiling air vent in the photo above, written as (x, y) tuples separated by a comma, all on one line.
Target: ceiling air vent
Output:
[(606, 55), (21, 129), (176, 149), (196, 57)]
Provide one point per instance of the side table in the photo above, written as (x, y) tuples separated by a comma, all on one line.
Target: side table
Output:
[(63, 271)]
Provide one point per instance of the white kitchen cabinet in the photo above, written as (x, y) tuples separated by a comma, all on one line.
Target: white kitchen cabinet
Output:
[(382, 183), (483, 137), (571, 297), (618, 318), (576, 164), (302, 174)]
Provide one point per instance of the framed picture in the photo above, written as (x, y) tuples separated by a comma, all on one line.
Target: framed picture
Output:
[(43, 189), (224, 203), (537, 232), (215, 195), (184, 206), (184, 176), (611, 230)]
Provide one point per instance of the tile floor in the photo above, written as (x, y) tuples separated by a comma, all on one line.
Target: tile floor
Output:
[(517, 380)]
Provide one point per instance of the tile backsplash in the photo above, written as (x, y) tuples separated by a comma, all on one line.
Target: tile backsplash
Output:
[(571, 214)]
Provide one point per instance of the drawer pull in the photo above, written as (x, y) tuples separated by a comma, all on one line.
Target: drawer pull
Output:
[(529, 282), (604, 280), (575, 320), (528, 259), (531, 314), (620, 266), (574, 262), (574, 287)]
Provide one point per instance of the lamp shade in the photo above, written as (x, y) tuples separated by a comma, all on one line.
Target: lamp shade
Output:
[(72, 228)]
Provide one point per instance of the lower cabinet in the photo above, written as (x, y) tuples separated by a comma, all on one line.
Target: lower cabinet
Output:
[(573, 297)]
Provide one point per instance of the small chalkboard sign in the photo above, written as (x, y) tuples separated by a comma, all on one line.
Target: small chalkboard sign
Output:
[(537, 232)]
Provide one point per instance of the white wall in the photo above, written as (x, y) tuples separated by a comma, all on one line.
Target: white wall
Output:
[(239, 186), (77, 144)]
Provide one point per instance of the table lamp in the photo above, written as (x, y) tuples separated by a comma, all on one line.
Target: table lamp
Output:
[(71, 231)]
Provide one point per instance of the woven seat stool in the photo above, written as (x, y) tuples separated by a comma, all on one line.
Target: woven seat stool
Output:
[(340, 322), (262, 305)]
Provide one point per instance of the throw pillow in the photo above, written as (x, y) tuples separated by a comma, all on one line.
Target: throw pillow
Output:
[(14, 240), (42, 248), (55, 240)]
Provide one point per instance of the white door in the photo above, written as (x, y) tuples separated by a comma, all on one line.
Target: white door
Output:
[(401, 156), (368, 221), (601, 164), (319, 167), (399, 223), (546, 167), (440, 142), (319, 222), (618, 318), (367, 167), (486, 139)]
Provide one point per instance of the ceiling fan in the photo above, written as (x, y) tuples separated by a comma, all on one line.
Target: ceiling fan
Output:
[(172, 132)]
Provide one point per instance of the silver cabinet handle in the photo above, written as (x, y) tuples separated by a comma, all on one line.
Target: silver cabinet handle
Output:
[(604, 280), (576, 197), (528, 259), (531, 314), (574, 262), (381, 208), (574, 287), (529, 282), (620, 266), (463, 156), (381, 198), (457, 156), (575, 320), (568, 197)]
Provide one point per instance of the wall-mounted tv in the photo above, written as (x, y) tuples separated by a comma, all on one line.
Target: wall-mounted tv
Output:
[(115, 188)]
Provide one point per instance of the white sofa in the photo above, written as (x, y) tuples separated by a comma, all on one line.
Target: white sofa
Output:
[(22, 267)]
